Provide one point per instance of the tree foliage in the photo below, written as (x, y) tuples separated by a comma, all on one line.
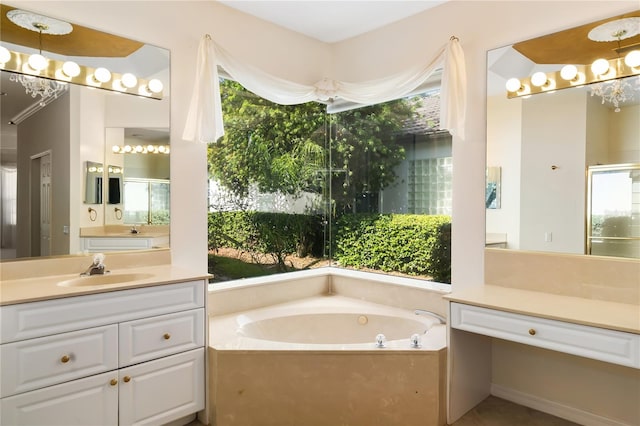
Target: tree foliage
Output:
[(285, 148)]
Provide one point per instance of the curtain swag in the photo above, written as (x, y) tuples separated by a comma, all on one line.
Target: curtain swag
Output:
[(204, 118)]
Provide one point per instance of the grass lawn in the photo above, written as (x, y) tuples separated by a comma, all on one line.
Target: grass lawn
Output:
[(227, 268)]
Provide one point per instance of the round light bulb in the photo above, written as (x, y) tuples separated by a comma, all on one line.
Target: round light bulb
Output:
[(538, 79), (161, 148), (632, 59), (37, 62), (150, 148), (568, 72), (129, 80), (127, 148), (115, 148), (102, 75), (71, 69), (5, 55), (513, 85), (139, 148), (155, 85), (167, 150), (600, 66)]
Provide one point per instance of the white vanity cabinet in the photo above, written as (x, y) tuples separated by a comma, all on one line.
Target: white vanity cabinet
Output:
[(611, 346), (123, 357)]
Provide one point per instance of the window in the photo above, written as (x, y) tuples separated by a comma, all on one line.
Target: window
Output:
[(295, 187)]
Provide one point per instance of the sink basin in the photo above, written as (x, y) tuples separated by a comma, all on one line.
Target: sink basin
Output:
[(107, 279)]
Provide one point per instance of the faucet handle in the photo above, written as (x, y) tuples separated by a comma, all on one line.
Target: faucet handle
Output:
[(98, 259)]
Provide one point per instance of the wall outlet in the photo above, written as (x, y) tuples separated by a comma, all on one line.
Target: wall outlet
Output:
[(548, 236), (65, 229)]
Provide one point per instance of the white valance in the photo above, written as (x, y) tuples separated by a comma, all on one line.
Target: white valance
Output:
[(204, 120)]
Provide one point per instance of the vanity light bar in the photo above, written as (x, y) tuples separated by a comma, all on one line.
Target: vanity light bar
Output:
[(71, 72), (574, 75), (141, 149)]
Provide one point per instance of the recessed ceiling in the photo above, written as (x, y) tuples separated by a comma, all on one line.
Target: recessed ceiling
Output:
[(331, 21)]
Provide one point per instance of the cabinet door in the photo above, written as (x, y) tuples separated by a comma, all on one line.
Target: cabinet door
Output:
[(83, 402), (160, 391)]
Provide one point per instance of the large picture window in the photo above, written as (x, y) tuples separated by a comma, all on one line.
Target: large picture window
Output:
[(295, 187)]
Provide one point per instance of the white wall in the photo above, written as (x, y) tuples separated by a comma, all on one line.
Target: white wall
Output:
[(624, 143), (504, 134)]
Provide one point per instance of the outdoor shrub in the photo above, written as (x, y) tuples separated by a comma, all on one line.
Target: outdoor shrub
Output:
[(410, 244)]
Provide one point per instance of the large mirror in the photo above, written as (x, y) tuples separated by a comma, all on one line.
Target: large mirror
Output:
[(61, 183), (545, 143)]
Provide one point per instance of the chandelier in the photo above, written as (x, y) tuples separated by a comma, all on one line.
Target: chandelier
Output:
[(33, 85), (36, 86), (617, 91)]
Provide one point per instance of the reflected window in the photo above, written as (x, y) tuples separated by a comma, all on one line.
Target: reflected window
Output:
[(146, 201)]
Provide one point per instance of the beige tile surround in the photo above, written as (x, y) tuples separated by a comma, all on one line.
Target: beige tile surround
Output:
[(290, 388), (591, 277)]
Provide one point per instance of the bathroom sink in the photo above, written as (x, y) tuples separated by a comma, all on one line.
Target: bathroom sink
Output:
[(107, 279)]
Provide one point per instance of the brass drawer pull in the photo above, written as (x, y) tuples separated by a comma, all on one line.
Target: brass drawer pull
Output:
[(65, 359), (532, 331), (167, 336), (113, 382), (126, 379)]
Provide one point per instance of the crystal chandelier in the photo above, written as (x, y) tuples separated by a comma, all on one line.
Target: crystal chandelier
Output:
[(36, 86), (617, 91)]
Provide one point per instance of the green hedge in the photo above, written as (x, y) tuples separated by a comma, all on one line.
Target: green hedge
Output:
[(410, 244), (276, 233)]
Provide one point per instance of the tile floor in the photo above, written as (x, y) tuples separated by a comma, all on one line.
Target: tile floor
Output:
[(498, 412)]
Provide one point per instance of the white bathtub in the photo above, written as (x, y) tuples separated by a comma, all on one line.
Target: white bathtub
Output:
[(325, 323)]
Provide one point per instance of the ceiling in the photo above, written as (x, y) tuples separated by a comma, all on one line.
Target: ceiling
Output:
[(331, 21)]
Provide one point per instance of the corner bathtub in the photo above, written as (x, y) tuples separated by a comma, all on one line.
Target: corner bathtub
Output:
[(314, 361), (325, 323)]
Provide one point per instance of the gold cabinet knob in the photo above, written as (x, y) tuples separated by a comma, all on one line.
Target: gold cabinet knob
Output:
[(113, 382), (126, 379), (65, 359), (532, 331), (166, 336)]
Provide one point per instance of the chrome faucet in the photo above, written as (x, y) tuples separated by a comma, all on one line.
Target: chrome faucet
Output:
[(440, 318), (97, 267)]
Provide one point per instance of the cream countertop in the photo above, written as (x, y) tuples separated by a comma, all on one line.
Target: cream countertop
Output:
[(596, 313), (46, 287)]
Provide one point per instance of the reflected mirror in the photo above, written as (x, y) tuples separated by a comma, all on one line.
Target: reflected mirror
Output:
[(545, 143), (94, 174), (54, 135)]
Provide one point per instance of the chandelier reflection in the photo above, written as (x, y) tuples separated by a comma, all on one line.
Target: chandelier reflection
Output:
[(617, 92), (36, 86)]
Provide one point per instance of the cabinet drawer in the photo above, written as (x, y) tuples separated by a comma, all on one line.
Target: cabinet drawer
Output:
[(90, 401), (591, 342), (29, 320), (36, 363), (151, 338)]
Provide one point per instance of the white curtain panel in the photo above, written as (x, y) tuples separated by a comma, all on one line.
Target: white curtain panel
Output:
[(204, 120)]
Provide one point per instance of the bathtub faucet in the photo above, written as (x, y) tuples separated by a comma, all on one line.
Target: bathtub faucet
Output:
[(440, 318)]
